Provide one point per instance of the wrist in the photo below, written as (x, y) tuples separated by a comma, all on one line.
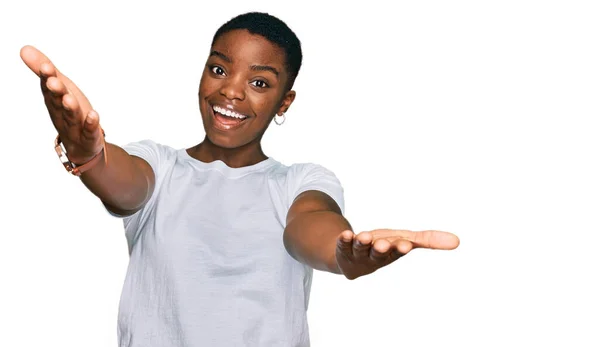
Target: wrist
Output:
[(75, 168)]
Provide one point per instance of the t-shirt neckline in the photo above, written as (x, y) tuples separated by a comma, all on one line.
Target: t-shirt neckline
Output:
[(224, 168)]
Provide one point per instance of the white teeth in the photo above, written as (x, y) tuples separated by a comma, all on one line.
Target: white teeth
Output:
[(228, 113)]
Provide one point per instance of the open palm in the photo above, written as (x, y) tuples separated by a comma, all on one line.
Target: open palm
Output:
[(362, 254), (69, 109)]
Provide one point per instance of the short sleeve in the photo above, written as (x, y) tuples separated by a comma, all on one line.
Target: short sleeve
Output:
[(148, 150), (153, 153), (309, 176)]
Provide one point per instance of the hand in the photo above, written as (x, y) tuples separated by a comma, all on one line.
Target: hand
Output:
[(362, 254), (70, 111)]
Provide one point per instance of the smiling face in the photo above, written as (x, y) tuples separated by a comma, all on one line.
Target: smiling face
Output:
[(243, 86)]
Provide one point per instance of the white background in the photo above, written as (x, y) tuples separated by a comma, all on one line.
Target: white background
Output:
[(475, 117)]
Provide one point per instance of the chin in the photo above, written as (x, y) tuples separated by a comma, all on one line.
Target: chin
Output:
[(223, 141)]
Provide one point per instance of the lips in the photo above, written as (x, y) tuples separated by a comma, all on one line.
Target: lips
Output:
[(223, 122)]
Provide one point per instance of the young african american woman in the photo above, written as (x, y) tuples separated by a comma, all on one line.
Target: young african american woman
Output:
[(222, 238)]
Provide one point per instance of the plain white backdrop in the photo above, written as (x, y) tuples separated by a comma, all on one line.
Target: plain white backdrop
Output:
[(474, 117)]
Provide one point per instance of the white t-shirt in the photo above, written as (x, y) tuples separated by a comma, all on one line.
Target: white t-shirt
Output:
[(207, 262)]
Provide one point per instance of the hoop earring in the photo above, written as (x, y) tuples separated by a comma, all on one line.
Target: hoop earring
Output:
[(282, 116)]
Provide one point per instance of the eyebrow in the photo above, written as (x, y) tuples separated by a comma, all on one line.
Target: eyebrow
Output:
[(265, 68), (253, 67), (220, 55)]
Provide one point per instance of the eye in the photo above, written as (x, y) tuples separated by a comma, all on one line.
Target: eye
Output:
[(260, 84), (217, 70)]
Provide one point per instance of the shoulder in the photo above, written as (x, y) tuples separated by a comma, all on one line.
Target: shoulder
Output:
[(148, 147), (309, 172), (152, 152), (303, 177), (300, 173)]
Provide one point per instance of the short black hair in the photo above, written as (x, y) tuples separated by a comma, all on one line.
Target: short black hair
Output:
[(272, 29)]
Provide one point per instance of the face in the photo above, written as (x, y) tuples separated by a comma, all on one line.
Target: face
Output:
[(243, 86)]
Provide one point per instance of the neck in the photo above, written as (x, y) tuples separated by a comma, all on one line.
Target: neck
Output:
[(247, 155)]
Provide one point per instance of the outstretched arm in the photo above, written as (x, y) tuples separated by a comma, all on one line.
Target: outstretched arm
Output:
[(318, 235), (314, 222), (123, 182)]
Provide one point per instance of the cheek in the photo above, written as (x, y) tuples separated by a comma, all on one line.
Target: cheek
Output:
[(264, 106), (206, 86)]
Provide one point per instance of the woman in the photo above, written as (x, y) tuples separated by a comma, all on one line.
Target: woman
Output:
[(222, 238)]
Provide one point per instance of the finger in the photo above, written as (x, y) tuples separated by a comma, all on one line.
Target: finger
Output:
[(42, 66), (47, 70), (434, 239), (70, 103), (56, 93), (362, 245), (34, 59), (344, 242), (91, 127), (53, 91), (401, 247), (392, 233), (53, 102), (72, 111), (380, 251), (55, 86), (48, 79)]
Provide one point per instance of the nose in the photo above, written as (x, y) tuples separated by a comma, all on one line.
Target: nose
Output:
[(233, 88)]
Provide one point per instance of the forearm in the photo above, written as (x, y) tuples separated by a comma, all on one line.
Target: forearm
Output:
[(311, 238), (119, 181)]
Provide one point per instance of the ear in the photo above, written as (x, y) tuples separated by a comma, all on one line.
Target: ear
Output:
[(288, 98)]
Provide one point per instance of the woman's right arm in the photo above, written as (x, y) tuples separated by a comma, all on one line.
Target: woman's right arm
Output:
[(123, 182)]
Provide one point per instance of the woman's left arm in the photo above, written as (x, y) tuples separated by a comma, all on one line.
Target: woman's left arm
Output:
[(318, 235)]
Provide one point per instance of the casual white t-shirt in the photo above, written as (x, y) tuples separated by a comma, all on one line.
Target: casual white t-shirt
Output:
[(207, 262)]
